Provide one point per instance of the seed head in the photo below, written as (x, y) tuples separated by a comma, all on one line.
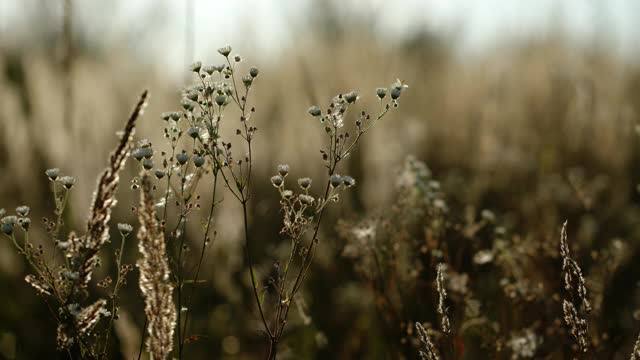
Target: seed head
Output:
[(198, 161), (351, 97), (304, 183), (221, 100), (137, 154), (335, 180), (247, 80), (396, 89), (25, 223), (209, 69), (7, 223), (125, 229), (348, 181), (187, 105), (175, 116), (306, 199), (182, 158), (68, 182), (192, 95), (52, 173), (159, 173), (283, 169), (237, 58), (314, 111), (287, 194), (381, 92), (22, 210), (395, 93), (225, 50), (194, 132), (6, 228), (196, 66), (147, 164), (254, 71), (277, 180)]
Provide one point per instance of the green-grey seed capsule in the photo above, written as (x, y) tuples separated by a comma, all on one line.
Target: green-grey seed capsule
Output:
[(335, 180), (147, 164), (283, 169), (194, 132), (254, 72), (146, 152), (159, 173), (209, 69), (7, 228), (381, 92), (25, 223), (348, 181), (225, 50), (68, 181), (304, 183), (351, 97), (198, 161), (196, 66), (52, 173), (395, 93), (221, 100), (22, 210), (182, 158), (247, 80), (137, 154), (314, 111), (192, 95), (277, 180), (306, 199)]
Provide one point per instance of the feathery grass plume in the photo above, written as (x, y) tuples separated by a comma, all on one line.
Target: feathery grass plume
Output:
[(576, 306), (428, 351), (104, 197), (442, 297), (155, 281), (81, 253)]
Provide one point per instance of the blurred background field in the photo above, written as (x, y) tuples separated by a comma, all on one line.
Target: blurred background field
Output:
[(525, 110)]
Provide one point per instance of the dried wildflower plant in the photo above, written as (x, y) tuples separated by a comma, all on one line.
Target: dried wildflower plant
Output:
[(197, 148), (197, 152), (303, 212), (66, 286)]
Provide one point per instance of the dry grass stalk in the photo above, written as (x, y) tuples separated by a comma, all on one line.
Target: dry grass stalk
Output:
[(576, 306), (428, 351), (155, 282), (97, 232), (82, 252), (635, 353), (442, 297)]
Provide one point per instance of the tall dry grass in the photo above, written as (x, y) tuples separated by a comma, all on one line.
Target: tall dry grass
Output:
[(537, 133)]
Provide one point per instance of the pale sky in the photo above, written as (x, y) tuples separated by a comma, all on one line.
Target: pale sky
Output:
[(265, 26)]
